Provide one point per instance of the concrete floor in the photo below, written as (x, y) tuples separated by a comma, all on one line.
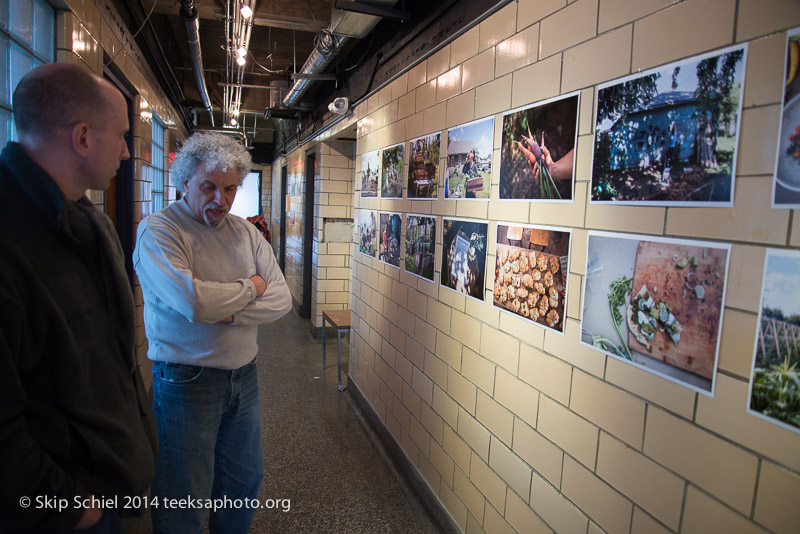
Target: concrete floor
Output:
[(318, 451)]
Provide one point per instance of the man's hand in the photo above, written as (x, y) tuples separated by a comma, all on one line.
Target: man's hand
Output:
[(260, 284), (90, 517)]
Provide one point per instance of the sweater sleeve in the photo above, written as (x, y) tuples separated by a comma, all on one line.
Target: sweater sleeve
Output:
[(28, 470), (162, 264), (276, 301)]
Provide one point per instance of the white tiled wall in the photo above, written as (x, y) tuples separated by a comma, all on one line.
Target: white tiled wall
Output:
[(519, 430)]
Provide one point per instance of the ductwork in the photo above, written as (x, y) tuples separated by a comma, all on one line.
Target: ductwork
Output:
[(191, 20), (344, 25)]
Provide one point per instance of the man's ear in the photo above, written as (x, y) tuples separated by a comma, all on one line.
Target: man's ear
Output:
[(80, 139)]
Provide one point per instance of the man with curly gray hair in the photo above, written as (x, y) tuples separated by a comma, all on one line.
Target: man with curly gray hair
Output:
[(209, 279)]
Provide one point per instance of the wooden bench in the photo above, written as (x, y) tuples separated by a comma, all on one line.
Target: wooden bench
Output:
[(340, 320)]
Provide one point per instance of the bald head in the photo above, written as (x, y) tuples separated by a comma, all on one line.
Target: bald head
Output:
[(56, 96)]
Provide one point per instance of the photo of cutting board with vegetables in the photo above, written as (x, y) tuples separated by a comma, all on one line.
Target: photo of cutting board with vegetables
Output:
[(676, 304)]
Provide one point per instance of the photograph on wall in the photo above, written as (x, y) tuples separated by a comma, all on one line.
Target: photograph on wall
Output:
[(468, 168), (531, 272), (421, 245), (368, 232), (774, 381), (669, 136), (786, 185), (656, 303), (389, 238), (537, 154), (393, 165), (370, 167), (464, 256), (423, 166)]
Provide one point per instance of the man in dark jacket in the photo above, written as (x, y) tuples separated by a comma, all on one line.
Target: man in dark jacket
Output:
[(77, 441)]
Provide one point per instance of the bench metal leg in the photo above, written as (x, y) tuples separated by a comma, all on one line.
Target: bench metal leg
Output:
[(339, 334), (323, 341)]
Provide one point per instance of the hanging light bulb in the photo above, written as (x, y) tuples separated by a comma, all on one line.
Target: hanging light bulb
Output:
[(246, 12), (236, 112), (241, 61), (242, 51), (233, 121)]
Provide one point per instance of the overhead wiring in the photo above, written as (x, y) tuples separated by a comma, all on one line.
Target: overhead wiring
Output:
[(144, 23)]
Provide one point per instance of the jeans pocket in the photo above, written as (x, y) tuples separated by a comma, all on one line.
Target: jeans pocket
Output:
[(177, 373)]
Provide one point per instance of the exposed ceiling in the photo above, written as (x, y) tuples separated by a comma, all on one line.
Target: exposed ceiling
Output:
[(282, 38)]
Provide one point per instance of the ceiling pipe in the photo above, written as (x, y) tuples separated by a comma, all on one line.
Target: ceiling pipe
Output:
[(344, 25), (191, 20)]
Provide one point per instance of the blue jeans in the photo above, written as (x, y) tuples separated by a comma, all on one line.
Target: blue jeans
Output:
[(209, 447)]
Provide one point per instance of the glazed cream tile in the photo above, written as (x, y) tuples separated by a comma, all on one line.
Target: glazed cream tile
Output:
[(454, 506), (572, 25), (517, 51), (765, 62), (493, 97), (449, 350), (705, 25), (434, 118), (704, 514), (548, 374), (640, 479), (497, 27), (531, 11), (620, 218), (468, 494), (601, 59), (664, 393), (726, 416), (539, 452), (568, 348), (500, 347), (426, 95), (439, 315), (460, 109), (610, 510), (776, 503), (726, 471), (438, 63), (417, 75), (448, 84), (478, 70), (456, 448), (489, 484), (478, 370), (643, 523), (539, 81), (737, 342), (614, 13), (474, 433), (612, 409), (510, 468), (464, 47), (561, 514), (757, 141), (520, 398), (569, 431), (743, 290), (516, 325), (498, 420), (757, 18), (520, 516), (568, 215)]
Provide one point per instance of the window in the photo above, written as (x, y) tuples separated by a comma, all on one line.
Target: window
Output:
[(248, 198), (26, 41), (157, 170)]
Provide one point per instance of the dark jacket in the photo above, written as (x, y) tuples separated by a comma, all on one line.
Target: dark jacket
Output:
[(75, 419)]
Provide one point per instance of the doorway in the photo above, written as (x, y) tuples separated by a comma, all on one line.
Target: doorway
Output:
[(308, 234), (282, 223)]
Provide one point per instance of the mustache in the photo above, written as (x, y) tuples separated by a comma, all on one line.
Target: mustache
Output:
[(215, 206)]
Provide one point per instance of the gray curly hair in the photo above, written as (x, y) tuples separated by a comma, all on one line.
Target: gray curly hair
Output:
[(217, 151)]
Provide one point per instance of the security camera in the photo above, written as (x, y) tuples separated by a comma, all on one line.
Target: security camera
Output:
[(339, 105)]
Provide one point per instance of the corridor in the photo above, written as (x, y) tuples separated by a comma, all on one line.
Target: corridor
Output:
[(318, 452)]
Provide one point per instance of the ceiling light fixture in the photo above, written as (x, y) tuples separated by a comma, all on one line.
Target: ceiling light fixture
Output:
[(241, 61), (246, 12), (242, 51)]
